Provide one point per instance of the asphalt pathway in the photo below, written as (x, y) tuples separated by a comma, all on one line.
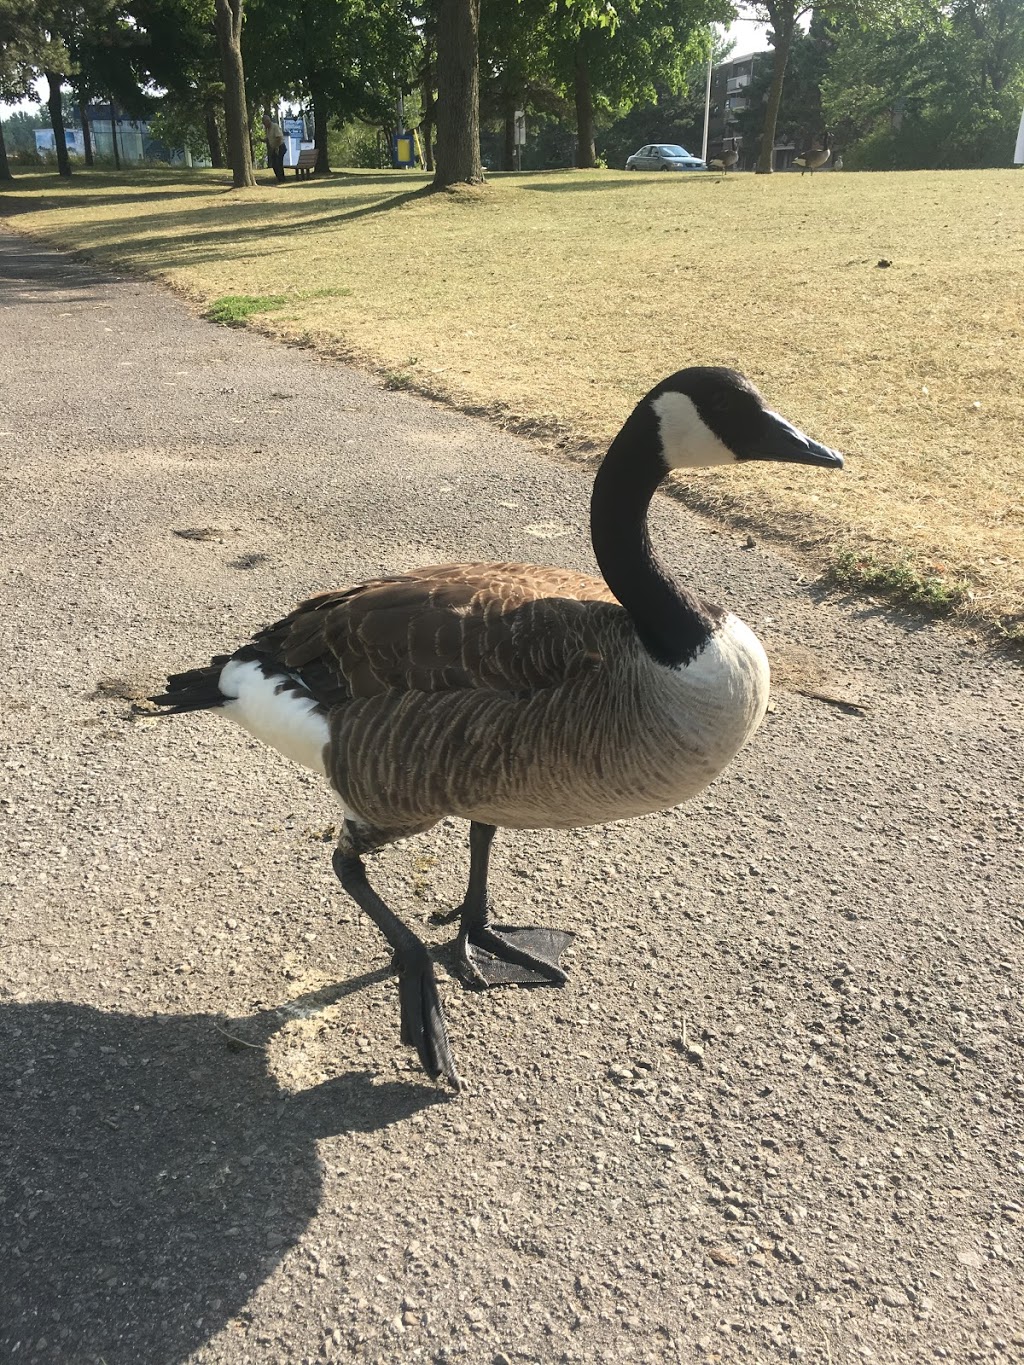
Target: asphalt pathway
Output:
[(776, 1114)]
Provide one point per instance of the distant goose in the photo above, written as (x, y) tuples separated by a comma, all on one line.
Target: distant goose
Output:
[(815, 158), (514, 695), (727, 160)]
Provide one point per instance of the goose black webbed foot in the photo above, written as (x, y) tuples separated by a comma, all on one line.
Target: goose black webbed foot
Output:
[(506, 955), (423, 1024), (489, 954)]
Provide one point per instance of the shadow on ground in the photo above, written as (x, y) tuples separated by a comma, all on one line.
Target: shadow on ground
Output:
[(219, 226), (153, 1173), (28, 271), (631, 182)]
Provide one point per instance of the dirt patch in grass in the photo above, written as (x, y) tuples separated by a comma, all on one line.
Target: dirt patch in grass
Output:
[(554, 301)]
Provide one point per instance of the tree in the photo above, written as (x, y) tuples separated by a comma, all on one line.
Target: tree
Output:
[(176, 49), (108, 62), (633, 52), (941, 89), (228, 23), (47, 33), (457, 158), (33, 47), (54, 82), (784, 18), (514, 67), (673, 117), (18, 60), (347, 59), (800, 117), (428, 100)]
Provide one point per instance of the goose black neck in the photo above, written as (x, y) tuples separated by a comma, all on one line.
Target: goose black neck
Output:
[(672, 623)]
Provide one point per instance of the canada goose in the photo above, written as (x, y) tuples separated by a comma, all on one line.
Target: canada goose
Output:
[(814, 159), (514, 695), (728, 159)]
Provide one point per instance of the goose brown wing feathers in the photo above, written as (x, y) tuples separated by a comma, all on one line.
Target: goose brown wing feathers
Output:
[(510, 628)]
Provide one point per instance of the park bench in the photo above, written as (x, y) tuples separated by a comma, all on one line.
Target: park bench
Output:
[(306, 163)]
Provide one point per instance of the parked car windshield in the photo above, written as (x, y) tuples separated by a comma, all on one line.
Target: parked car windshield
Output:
[(673, 151)]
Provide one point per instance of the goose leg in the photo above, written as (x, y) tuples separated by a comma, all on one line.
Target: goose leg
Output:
[(501, 954), (423, 1024)]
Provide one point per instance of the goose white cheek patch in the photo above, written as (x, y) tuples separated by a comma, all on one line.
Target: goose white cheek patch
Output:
[(686, 441)]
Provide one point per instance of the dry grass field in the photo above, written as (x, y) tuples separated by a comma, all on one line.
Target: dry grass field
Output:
[(883, 312)]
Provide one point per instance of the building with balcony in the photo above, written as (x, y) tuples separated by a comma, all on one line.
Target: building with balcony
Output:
[(730, 97)]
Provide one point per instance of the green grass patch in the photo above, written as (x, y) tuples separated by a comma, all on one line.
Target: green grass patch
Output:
[(398, 379), (332, 292), (233, 309), (932, 587)]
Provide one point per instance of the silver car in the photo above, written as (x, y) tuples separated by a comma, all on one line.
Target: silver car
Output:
[(664, 156)]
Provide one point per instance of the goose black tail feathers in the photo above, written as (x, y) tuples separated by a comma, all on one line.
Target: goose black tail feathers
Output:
[(197, 689)]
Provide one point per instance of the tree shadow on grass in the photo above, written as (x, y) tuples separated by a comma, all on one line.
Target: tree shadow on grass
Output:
[(153, 1173), (28, 203), (632, 182), (107, 190), (191, 239), (219, 227), (29, 269), (392, 201)]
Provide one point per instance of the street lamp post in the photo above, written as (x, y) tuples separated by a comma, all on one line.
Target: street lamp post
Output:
[(707, 101)]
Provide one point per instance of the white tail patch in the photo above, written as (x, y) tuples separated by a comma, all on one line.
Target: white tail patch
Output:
[(294, 725)]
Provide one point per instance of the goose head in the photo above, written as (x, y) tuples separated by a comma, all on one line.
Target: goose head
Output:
[(700, 416), (712, 416)]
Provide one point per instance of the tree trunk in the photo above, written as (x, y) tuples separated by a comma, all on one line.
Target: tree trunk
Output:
[(55, 81), (213, 136), (228, 22), (113, 135), (318, 99), (83, 106), (586, 155), (458, 94), (5, 168), (427, 121), (783, 39)]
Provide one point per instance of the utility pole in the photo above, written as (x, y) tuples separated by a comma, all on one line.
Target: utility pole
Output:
[(707, 99)]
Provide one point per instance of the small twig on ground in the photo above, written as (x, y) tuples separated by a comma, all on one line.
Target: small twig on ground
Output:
[(842, 702), (257, 1047)]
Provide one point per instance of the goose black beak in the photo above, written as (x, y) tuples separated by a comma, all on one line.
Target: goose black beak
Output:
[(780, 440)]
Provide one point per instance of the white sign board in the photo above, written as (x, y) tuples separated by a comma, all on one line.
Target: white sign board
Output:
[(46, 141), (520, 128)]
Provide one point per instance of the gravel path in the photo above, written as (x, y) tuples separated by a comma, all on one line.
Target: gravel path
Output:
[(775, 1115)]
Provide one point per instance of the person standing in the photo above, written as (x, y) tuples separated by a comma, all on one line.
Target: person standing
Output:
[(275, 146)]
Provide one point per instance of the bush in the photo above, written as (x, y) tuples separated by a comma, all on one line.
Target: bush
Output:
[(941, 140), (359, 146)]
